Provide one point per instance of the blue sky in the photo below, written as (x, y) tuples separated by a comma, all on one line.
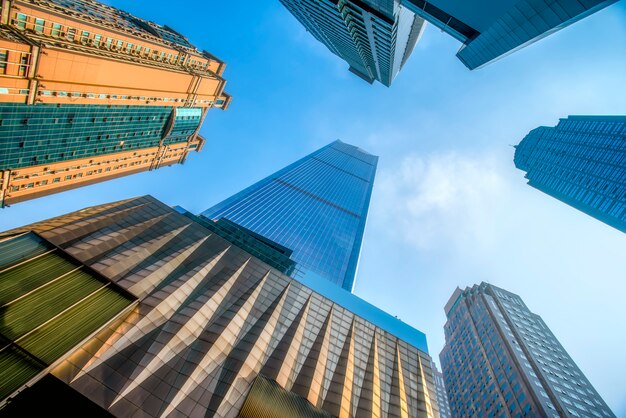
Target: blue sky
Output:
[(448, 208)]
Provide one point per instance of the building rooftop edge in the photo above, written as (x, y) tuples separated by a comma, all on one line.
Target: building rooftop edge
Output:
[(456, 295), (354, 304), (365, 310)]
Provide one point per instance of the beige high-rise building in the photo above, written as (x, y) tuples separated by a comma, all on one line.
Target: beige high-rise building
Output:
[(90, 93)]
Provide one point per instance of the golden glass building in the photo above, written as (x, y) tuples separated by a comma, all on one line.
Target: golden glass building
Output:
[(90, 93)]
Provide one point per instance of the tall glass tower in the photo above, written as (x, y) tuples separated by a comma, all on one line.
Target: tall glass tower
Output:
[(492, 29), (374, 37), (582, 162), (316, 207)]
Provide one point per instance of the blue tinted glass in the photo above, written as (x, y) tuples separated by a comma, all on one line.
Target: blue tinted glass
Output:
[(316, 207), (582, 162)]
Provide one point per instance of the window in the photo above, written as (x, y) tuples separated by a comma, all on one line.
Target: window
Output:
[(108, 42), (129, 46), (56, 29), (56, 179), (23, 65), (39, 24), (3, 61), (21, 21), (71, 34), (97, 39), (84, 37), (119, 44)]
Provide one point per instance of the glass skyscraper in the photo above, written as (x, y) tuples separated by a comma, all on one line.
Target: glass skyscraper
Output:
[(582, 162), (500, 359), (491, 29), (315, 207), (374, 37)]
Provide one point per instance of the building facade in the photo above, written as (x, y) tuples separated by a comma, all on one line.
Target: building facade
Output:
[(90, 93), (377, 37), (582, 162), (199, 326), (442, 395), (492, 29), (317, 207), (501, 359), (374, 37)]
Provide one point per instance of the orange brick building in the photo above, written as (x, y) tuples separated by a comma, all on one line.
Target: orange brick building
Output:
[(89, 93)]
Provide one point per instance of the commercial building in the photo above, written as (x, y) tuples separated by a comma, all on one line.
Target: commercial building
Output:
[(442, 395), (90, 93), (501, 359), (582, 162), (374, 37), (492, 29), (316, 207), (143, 310)]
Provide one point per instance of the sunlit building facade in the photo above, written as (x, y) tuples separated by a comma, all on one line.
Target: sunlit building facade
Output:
[(491, 29), (374, 37), (582, 162), (144, 310), (501, 359), (317, 207), (90, 93)]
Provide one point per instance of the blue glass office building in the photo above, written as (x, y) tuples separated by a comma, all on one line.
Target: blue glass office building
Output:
[(491, 29), (316, 207), (582, 162)]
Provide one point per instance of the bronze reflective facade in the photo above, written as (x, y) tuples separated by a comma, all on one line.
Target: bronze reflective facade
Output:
[(212, 317)]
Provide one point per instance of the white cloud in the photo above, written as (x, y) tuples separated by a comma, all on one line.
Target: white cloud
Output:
[(442, 199)]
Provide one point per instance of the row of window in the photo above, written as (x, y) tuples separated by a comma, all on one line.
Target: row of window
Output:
[(57, 30), (58, 93), (7, 58), (67, 177)]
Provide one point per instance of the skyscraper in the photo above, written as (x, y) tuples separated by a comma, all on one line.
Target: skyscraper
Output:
[(442, 395), (375, 38), (502, 359), (582, 162), (90, 93), (491, 29), (146, 311), (315, 207)]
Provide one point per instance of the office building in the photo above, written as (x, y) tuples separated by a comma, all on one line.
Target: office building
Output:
[(143, 310), (89, 93), (582, 162), (375, 38), (501, 359), (316, 207), (442, 395), (492, 29)]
